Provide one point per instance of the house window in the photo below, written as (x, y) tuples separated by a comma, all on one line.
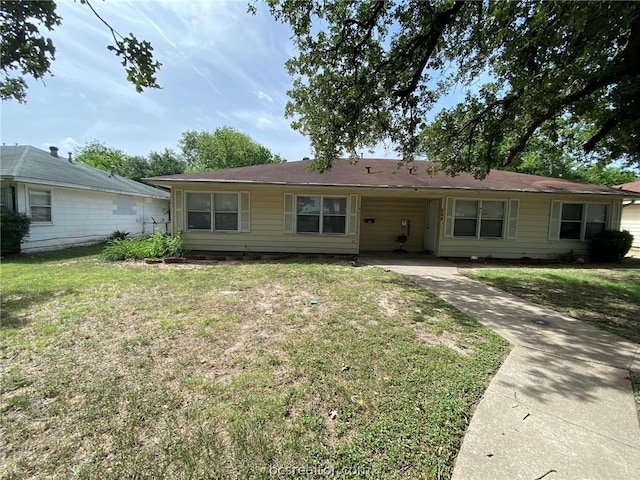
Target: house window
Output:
[(199, 211), (318, 214), (225, 214), (582, 221), (40, 206), (479, 218), (213, 211)]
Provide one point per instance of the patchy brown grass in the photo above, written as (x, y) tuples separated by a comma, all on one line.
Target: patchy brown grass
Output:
[(229, 371)]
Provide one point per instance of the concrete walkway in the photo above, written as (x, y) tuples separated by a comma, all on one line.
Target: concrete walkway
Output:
[(560, 407)]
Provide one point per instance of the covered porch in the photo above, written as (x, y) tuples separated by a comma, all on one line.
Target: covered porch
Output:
[(383, 220)]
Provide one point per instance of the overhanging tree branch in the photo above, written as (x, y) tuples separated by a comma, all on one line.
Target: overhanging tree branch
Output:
[(429, 43), (605, 129)]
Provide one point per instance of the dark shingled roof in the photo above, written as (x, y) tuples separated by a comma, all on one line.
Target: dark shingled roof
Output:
[(29, 164), (382, 174)]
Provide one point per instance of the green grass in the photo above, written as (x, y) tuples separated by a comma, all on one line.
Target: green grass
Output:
[(606, 296), (228, 370)]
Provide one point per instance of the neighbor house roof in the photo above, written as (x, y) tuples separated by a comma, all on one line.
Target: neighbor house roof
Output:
[(634, 187), (382, 174), (23, 163), (630, 187)]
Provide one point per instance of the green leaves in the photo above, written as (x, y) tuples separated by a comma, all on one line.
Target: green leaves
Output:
[(25, 51), (224, 148), (137, 58), (200, 151), (23, 48), (98, 155), (371, 72)]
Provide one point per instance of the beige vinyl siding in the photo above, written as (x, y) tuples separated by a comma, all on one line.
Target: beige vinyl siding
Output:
[(387, 207), (631, 221), (387, 213), (266, 227), (533, 231)]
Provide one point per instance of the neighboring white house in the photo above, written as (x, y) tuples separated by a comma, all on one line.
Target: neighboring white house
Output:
[(631, 212), (74, 204)]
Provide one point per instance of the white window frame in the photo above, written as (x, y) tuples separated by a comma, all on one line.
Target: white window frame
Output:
[(479, 218), (556, 220), (50, 206), (242, 211), (321, 215)]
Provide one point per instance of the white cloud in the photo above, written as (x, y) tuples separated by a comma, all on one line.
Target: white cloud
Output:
[(221, 66), (109, 131), (264, 96), (262, 120), (69, 144)]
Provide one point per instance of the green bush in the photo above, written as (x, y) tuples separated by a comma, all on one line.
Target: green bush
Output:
[(125, 249), (118, 235), (158, 245), (610, 246), (14, 227)]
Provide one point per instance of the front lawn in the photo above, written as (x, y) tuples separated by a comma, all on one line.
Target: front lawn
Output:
[(608, 297), (296, 368)]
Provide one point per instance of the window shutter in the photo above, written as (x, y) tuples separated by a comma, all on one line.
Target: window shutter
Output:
[(288, 212), (178, 198), (244, 212), (512, 223), (554, 221), (448, 221), (614, 220), (353, 214)]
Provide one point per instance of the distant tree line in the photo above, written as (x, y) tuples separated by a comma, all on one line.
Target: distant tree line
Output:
[(197, 152)]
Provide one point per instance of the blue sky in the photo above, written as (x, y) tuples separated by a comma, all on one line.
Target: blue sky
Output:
[(221, 66)]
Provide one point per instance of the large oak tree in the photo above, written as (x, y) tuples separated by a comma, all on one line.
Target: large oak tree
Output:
[(371, 71)]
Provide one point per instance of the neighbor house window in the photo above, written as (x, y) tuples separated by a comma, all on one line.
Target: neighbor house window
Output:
[(40, 205), (582, 221), (479, 218), (6, 197), (213, 211), (321, 214)]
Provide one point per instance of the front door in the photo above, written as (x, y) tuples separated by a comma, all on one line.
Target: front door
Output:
[(431, 225)]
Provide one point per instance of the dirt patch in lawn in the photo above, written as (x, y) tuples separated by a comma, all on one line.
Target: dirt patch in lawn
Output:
[(223, 371)]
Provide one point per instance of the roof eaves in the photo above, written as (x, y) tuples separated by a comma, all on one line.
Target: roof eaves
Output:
[(162, 181), (36, 181)]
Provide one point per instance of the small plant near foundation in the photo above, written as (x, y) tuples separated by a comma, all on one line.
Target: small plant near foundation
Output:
[(118, 235), (568, 257), (158, 245)]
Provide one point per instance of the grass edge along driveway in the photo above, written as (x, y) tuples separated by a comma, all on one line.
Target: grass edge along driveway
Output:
[(607, 296), (229, 370)]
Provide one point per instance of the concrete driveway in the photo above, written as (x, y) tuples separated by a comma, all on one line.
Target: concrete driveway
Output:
[(560, 407)]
